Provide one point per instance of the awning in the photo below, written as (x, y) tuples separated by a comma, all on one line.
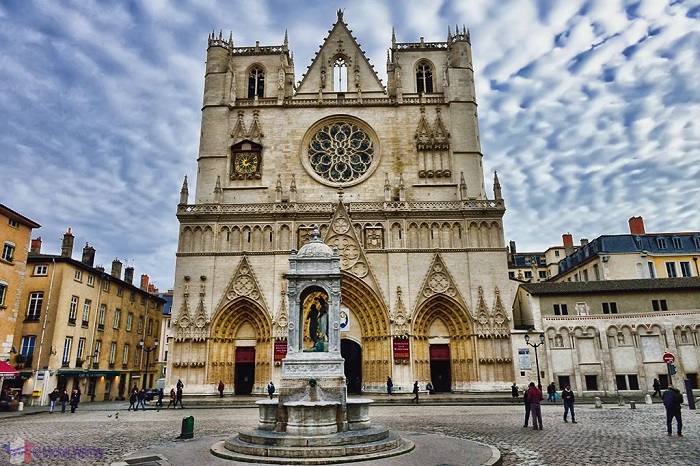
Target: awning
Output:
[(86, 373), (7, 371)]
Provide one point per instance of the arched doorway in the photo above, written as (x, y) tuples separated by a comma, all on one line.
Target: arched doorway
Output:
[(352, 353), (244, 370), (440, 370)]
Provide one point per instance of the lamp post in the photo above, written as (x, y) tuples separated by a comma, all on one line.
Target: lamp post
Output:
[(537, 361), (148, 353)]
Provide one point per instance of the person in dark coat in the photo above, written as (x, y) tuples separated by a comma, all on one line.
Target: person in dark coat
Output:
[(64, 400), (551, 393), (514, 393), (415, 392), (270, 389), (672, 402), (133, 399), (178, 397), (657, 388), (172, 398), (141, 396), (534, 395), (221, 388), (159, 403), (568, 396), (389, 385), (53, 398), (527, 406), (74, 401)]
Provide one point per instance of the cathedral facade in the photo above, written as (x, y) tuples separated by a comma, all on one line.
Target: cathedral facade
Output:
[(392, 177)]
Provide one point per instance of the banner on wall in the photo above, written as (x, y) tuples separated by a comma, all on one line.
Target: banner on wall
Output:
[(344, 319), (402, 349), (524, 358), (280, 350)]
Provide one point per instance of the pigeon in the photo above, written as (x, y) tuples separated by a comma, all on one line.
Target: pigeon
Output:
[(109, 415), (116, 416)]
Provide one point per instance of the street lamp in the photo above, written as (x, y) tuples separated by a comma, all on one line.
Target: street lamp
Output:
[(537, 361), (148, 353)]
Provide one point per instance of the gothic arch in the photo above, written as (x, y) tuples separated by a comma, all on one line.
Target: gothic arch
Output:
[(373, 319), (186, 240), (460, 328), (232, 325)]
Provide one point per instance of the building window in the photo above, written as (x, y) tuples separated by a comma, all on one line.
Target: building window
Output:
[(627, 382), (36, 300), (96, 353), (112, 353), (129, 321), (511, 275), (659, 305), (556, 253), (3, 293), (661, 243), (101, 317), (91, 280), (591, 382), (132, 297), (596, 272), (81, 349), (677, 243), (256, 83), (125, 356), (686, 271), (67, 344), (561, 310), (696, 242), (139, 326), (671, 270), (652, 270), (165, 357), (13, 223), (610, 308), (543, 274), (86, 312), (528, 274), (73, 310), (41, 269), (117, 317), (340, 75), (424, 78), (8, 251), (120, 291), (585, 275), (105, 286), (27, 346), (149, 327), (78, 276)]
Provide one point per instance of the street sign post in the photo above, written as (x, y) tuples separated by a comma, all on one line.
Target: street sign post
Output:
[(669, 358)]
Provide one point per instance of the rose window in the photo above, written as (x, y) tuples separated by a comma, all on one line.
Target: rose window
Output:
[(340, 152)]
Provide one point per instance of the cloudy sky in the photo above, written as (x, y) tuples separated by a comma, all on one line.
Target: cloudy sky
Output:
[(589, 110)]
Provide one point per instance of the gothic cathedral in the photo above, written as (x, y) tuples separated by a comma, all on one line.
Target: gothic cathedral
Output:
[(392, 177)]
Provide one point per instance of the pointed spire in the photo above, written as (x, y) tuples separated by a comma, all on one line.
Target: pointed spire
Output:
[(340, 15), (462, 187), (286, 38), (217, 190), (387, 188), (278, 189), (230, 39), (184, 192), (449, 34), (496, 187), (293, 189), (393, 39), (402, 189)]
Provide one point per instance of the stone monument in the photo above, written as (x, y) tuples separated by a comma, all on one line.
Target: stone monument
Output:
[(313, 421)]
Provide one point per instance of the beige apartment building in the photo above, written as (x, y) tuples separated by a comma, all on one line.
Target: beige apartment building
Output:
[(15, 232), (84, 327)]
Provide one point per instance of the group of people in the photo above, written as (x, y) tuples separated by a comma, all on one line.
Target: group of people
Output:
[(62, 396), (138, 397)]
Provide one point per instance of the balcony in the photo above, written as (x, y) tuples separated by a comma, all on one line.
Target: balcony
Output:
[(32, 318), (71, 321)]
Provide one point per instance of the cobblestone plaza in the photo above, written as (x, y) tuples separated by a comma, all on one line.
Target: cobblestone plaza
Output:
[(609, 436)]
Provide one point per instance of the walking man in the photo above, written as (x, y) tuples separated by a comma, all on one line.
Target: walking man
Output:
[(141, 396), (534, 395), (178, 395), (657, 388), (527, 406), (389, 385), (270, 389), (551, 393), (221, 388), (53, 397), (415, 392), (568, 396), (514, 393), (672, 402)]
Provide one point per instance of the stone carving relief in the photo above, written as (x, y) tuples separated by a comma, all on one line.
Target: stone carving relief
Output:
[(491, 322), (399, 317), (243, 285), (439, 281)]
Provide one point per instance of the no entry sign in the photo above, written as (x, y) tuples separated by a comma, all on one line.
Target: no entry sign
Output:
[(669, 358)]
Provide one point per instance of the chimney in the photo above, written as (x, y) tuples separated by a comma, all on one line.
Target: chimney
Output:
[(100, 268), (89, 255), (144, 282), (637, 226), (152, 288), (584, 241), (67, 244), (512, 247), (116, 269), (36, 246), (568, 240), (129, 275)]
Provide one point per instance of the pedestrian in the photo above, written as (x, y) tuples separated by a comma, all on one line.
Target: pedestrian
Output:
[(672, 402), (270, 389), (221, 388), (568, 396), (415, 392), (527, 406), (551, 393), (657, 388), (172, 398), (389, 385), (53, 397), (159, 403), (133, 398), (534, 395), (141, 396), (178, 396), (74, 401), (179, 385), (64, 400), (430, 390), (514, 393)]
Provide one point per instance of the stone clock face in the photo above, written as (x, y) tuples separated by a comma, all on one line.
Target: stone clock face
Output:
[(246, 162), (342, 151)]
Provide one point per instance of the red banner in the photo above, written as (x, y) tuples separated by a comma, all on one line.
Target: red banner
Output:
[(402, 349), (280, 350)]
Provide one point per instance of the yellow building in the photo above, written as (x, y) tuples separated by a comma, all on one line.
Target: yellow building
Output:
[(15, 232), (81, 327)]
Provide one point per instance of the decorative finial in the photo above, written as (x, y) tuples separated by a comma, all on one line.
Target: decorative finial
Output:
[(340, 15), (315, 235), (393, 39), (496, 186), (449, 34)]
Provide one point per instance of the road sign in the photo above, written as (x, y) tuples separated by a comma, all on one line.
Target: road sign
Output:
[(669, 358)]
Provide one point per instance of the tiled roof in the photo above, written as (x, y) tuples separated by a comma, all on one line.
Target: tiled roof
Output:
[(612, 286)]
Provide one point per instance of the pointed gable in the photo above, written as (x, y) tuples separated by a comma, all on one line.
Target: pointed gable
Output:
[(438, 280), (340, 44)]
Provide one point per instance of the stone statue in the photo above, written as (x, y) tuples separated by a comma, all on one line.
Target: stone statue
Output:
[(312, 317)]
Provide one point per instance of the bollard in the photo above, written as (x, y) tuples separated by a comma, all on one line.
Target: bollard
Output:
[(633, 405), (598, 403), (187, 427), (647, 399), (620, 401), (20, 406)]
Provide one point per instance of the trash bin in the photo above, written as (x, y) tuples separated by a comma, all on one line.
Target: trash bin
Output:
[(187, 427), (20, 406), (633, 405)]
